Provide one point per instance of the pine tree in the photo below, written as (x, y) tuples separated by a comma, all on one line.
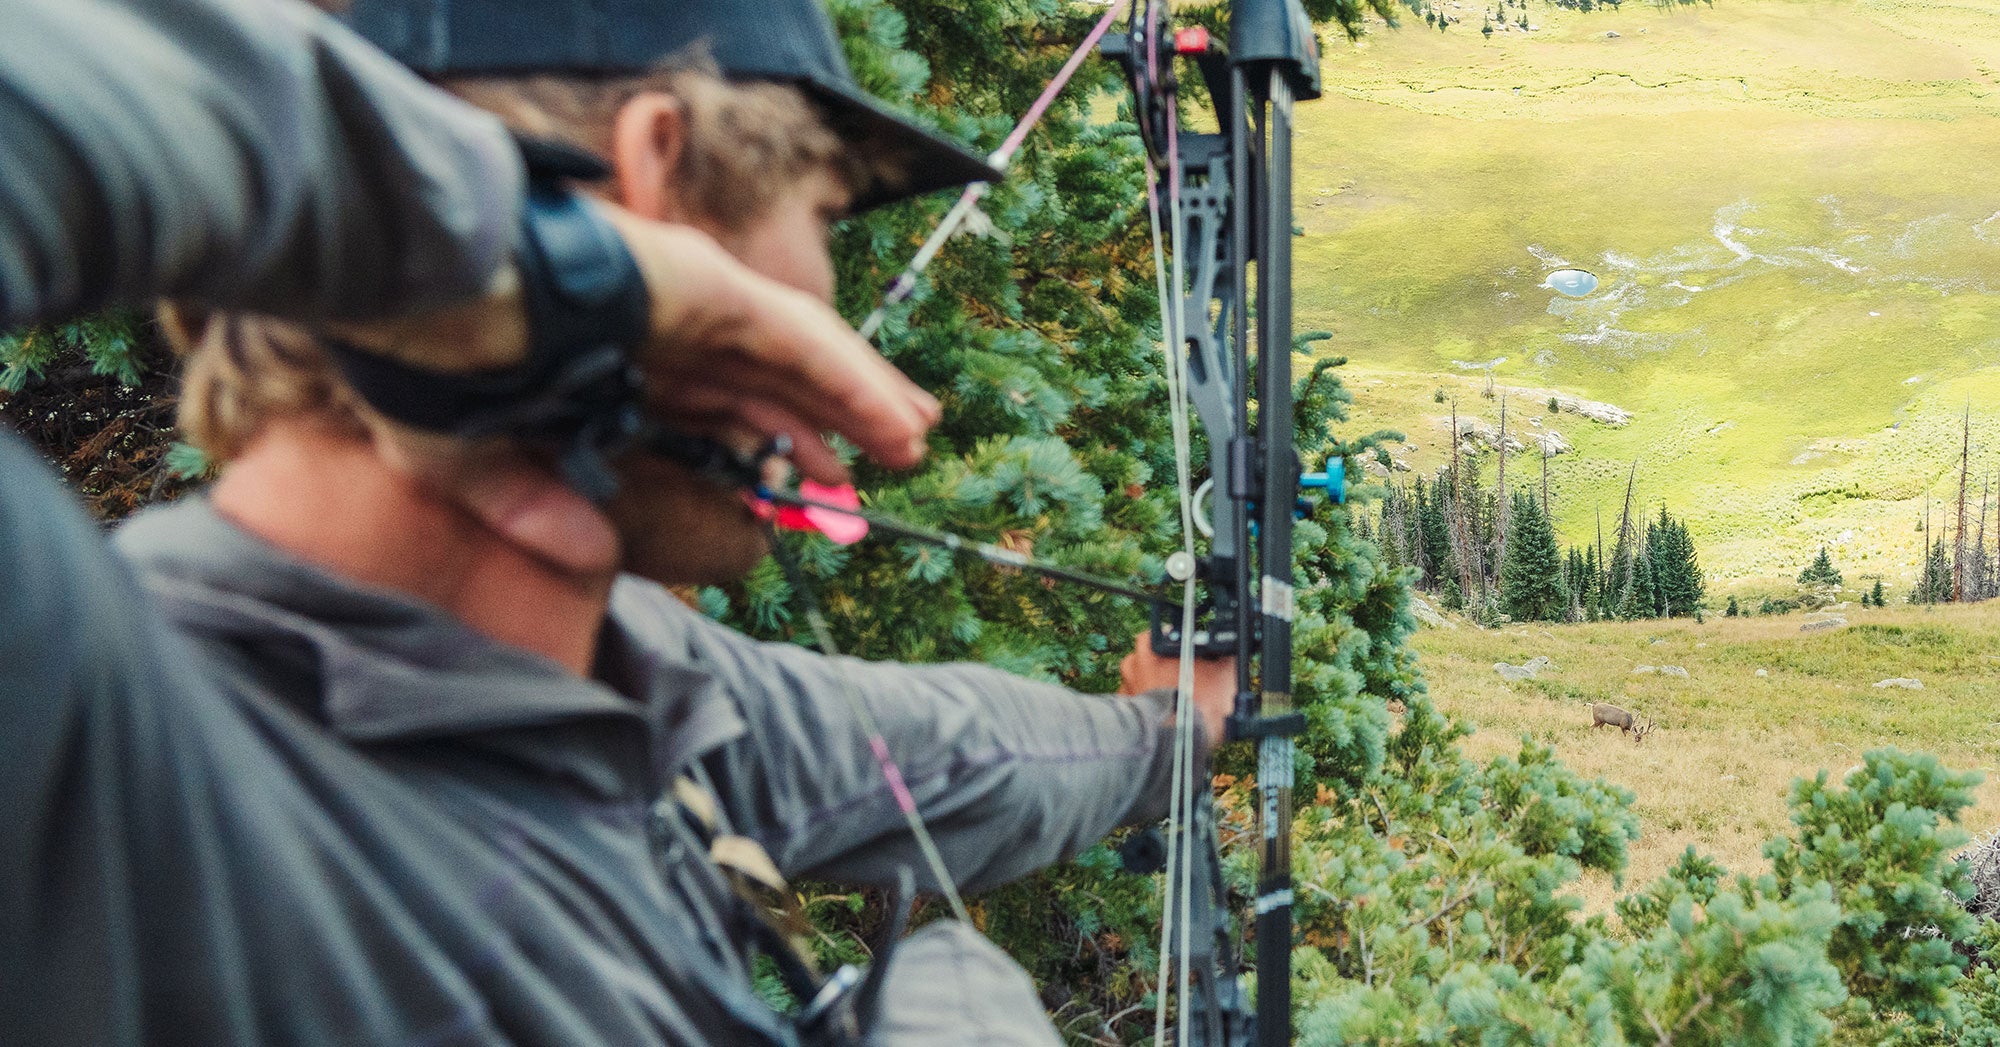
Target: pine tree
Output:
[(1676, 570), (1733, 610), (1592, 589), (1440, 558), (1531, 587), (1959, 552), (1821, 571), (1934, 585), (1501, 504), (1641, 598), (1876, 596)]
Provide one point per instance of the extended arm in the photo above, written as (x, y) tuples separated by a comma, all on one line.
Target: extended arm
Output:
[(1010, 775)]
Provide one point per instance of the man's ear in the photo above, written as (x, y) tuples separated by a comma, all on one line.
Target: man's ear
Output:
[(648, 141)]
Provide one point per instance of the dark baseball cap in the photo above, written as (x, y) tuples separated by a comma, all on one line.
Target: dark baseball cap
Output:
[(790, 41)]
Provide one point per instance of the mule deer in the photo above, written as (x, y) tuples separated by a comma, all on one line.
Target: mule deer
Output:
[(1639, 732), (1601, 714)]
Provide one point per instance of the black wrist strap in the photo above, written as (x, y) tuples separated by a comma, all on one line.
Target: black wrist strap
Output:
[(578, 392)]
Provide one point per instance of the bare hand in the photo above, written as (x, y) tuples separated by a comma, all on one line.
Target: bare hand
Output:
[(1214, 682), (730, 351)]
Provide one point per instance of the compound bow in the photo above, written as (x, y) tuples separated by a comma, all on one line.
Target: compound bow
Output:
[(1228, 210), (1222, 232)]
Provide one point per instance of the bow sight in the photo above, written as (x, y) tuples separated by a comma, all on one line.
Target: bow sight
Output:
[(1229, 198)]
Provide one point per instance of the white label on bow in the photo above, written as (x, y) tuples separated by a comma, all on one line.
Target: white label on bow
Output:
[(1279, 601)]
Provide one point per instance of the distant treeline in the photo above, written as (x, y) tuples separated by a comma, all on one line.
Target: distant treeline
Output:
[(1494, 554)]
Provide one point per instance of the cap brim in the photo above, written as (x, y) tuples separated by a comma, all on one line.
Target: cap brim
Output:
[(912, 159)]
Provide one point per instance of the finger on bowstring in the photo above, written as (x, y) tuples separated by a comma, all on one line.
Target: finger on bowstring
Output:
[(886, 421), (713, 412), (834, 379), (708, 410), (810, 455), (710, 311)]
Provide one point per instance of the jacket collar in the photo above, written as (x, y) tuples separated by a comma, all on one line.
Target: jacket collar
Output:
[(391, 668)]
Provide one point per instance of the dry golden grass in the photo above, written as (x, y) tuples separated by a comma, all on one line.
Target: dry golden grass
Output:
[(1717, 771)]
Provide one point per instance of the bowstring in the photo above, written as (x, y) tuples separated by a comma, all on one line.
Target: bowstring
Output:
[(1175, 965)]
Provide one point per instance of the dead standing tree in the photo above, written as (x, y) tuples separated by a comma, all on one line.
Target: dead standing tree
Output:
[(1464, 530), (1624, 549), (1958, 563), (1500, 502)]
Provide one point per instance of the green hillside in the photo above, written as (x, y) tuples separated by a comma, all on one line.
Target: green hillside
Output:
[(1794, 212)]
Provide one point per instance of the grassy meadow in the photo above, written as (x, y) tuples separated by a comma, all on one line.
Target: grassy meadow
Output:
[(1727, 744), (1792, 210)]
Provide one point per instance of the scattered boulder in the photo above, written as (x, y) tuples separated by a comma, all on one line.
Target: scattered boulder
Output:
[(1823, 624), (1428, 615), (1902, 681), (1728, 778), (1611, 35), (1763, 672), (1527, 670), (1645, 669), (1607, 414), (1674, 671), (1476, 436)]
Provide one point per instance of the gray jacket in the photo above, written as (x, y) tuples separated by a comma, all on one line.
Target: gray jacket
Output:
[(246, 153), (330, 815)]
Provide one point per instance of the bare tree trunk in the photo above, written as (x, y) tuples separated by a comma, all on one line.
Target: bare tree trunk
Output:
[(1500, 505), (1625, 515), (1979, 558), (1600, 539), (1461, 542), (1958, 537), (1924, 571), (1624, 550)]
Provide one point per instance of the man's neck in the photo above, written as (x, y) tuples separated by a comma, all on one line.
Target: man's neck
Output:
[(327, 498)]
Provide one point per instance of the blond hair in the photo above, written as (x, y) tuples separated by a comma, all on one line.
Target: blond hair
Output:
[(746, 144)]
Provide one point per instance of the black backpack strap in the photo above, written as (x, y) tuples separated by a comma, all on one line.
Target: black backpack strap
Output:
[(578, 392)]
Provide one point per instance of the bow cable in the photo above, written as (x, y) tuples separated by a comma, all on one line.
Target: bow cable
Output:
[(1175, 967), (905, 282)]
